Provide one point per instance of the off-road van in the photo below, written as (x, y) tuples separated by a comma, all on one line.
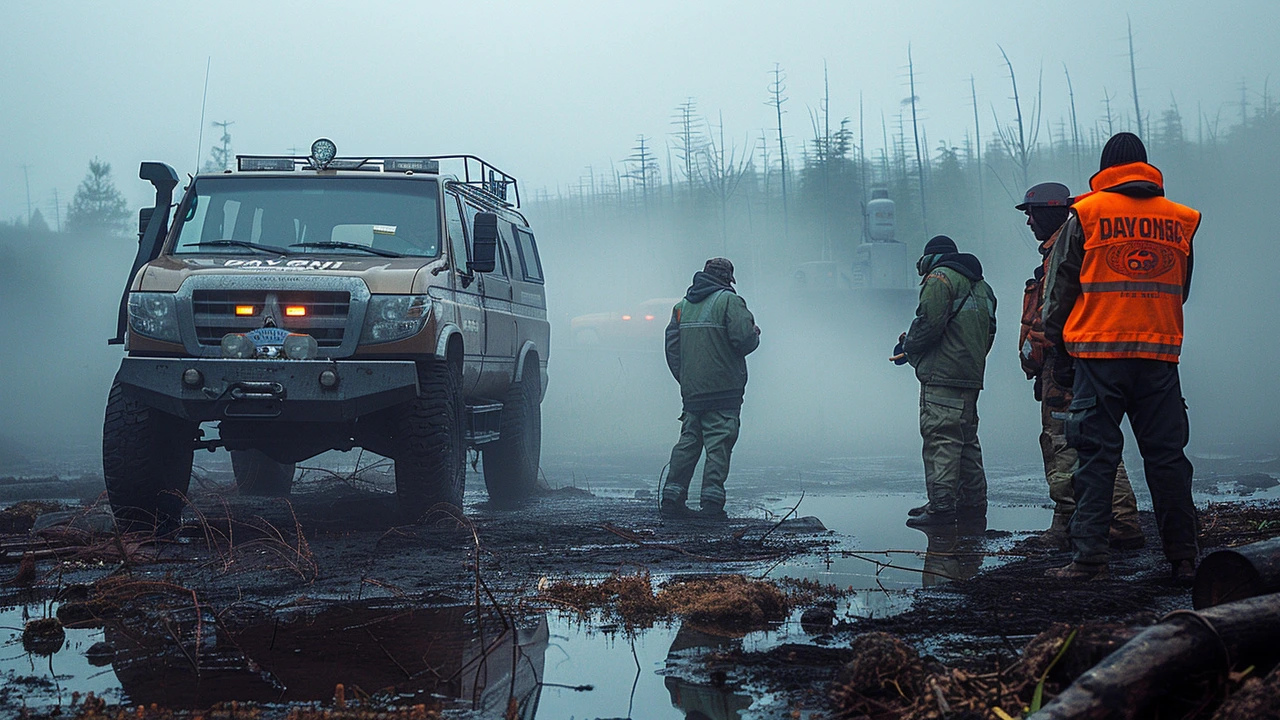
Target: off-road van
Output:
[(305, 304)]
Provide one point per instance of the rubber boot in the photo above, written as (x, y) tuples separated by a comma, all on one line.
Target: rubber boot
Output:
[(1056, 538)]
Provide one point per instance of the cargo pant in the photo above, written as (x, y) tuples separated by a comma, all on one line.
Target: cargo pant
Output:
[(953, 474), (1150, 393), (1060, 463), (714, 430)]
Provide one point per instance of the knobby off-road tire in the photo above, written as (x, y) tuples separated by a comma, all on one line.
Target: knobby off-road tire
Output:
[(430, 442), (258, 474), (511, 462), (146, 461)]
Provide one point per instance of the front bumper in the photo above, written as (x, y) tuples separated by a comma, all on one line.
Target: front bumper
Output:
[(287, 390)]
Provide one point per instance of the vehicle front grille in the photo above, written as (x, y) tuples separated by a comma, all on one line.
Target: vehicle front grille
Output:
[(325, 318)]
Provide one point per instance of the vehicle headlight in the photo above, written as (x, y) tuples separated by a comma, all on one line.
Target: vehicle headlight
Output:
[(394, 317), (154, 315)]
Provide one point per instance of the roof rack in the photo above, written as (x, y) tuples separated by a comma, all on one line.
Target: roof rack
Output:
[(497, 186), (491, 184), (287, 163)]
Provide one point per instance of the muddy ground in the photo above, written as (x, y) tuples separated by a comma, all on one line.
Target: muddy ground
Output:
[(242, 569)]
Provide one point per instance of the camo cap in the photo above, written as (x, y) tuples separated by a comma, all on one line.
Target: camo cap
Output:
[(720, 268)]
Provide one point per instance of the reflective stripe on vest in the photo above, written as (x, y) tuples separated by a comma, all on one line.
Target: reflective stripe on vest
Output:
[(1134, 270), (703, 312)]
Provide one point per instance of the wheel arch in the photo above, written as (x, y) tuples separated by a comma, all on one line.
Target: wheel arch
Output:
[(529, 349)]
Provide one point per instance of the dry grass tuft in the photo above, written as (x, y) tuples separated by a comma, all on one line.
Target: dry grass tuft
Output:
[(727, 602)]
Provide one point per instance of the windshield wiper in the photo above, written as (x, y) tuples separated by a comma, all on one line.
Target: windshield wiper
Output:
[(271, 249), (349, 246)]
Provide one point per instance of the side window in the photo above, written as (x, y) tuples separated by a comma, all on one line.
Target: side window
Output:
[(504, 255), (529, 261), (457, 234)]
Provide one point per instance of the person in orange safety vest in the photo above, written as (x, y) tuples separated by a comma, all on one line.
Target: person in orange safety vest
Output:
[(1047, 206), (1120, 273)]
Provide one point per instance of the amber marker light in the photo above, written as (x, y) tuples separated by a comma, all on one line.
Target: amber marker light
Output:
[(244, 309), (295, 311)]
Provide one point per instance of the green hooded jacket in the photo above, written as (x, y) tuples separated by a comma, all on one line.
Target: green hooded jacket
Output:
[(708, 339), (955, 324)]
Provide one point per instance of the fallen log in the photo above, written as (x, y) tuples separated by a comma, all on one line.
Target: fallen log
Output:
[(1164, 656), (1237, 573)]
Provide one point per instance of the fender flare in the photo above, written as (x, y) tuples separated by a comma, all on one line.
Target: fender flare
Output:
[(442, 342), (525, 349)]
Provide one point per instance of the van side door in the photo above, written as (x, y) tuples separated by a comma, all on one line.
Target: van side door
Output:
[(465, 293), (498, 366)]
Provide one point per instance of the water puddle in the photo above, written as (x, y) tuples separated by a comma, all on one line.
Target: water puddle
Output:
[(190, 658), (157, 647)]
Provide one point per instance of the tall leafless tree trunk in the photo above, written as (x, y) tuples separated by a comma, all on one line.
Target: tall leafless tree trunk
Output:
[(776, 88), (1133, 77), (915, 131)]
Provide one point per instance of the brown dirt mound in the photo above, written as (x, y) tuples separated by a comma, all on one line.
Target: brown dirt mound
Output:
[(726, 602), (1257, 699), (21, 516), (887, 679), (730, 602)]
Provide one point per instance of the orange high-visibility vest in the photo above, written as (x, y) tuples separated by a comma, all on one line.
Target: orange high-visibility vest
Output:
[(1134, 270)]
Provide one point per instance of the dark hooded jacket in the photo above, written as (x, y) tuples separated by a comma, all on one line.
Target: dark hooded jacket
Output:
[(708, 339), (955, 324)]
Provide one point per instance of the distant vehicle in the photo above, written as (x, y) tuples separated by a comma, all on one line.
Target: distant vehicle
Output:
[(315, 303), (638, 328), (819, 275)]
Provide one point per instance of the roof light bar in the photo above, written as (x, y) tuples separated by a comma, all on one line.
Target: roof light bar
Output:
[(423, 165), (264, 163)]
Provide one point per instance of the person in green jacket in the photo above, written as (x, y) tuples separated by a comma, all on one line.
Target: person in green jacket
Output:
[(947, 345), (708, 339)]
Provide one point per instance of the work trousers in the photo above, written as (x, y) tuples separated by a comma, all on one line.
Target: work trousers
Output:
[(1149, 392), (953, 474), (1060, 464), (714, 430)]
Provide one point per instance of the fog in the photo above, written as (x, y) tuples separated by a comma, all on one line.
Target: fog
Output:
[(559, 95)]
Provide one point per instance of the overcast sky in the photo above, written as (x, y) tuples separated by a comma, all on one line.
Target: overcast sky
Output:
[(544, 89)]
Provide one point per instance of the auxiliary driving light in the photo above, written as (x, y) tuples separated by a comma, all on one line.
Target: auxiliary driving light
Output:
[(296, 310), (328, 379), (323, 151), (191, 377), (237, 346), (300, 347), (244, 310)]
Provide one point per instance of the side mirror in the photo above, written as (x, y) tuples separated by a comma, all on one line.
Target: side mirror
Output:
[(484, 243), (144, 217)]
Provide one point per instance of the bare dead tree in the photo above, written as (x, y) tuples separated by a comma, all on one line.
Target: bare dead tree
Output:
[(689, 141), (642, 170), (1075, 126), (915, 132), (776, 90), (725, 170), (1017, 139), (1133, 77), (977, 136)]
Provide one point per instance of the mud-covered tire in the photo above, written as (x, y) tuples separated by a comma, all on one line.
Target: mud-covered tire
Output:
[(511, 462), (146, 461), (258, 474), (430, 442)]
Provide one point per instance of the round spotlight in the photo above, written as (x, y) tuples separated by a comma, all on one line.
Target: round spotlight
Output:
[(328, 379), (323, 151), (191, 377)]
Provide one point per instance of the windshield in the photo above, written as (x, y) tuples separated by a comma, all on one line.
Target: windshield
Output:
[(389, 216)]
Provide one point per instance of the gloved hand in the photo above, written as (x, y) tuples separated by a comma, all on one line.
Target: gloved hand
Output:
[(899, 355), (1064, 370)]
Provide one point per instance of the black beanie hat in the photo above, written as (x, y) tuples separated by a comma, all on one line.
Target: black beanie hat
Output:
[(1122, 148), (940, 245)]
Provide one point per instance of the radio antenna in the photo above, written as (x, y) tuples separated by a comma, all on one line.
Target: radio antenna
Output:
[(203, 100)]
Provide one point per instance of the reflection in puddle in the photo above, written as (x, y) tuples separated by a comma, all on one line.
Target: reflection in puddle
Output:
[(184, 658), (713, 701), (406, 652)]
